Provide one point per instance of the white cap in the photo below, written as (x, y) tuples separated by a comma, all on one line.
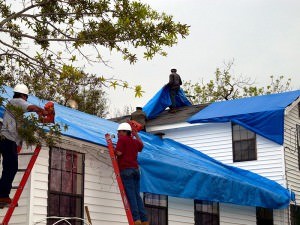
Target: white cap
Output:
[(21, 88), (124, 126)]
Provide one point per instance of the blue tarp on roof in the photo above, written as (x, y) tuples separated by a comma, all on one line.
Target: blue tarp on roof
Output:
[(173, 169), (263, 115), (161, 100)]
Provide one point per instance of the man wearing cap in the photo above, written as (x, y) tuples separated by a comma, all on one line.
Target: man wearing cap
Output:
[(10, 139), (174, 85), (127, 150)]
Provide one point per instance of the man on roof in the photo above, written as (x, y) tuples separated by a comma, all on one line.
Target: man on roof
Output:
[(10, 139), (174, 85), (128, 146)]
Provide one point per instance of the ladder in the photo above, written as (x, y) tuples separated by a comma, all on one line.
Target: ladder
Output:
[(119, 180), (22, 184)]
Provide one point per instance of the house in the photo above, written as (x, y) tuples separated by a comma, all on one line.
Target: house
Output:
[(77, 172), (260, 134)]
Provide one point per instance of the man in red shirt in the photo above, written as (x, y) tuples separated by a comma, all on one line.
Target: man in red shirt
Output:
[(127, 149)]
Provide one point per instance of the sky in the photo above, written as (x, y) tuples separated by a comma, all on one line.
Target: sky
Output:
[(263, 38)]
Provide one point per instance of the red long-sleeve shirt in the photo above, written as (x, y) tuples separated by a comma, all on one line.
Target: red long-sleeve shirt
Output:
[(129, 148)]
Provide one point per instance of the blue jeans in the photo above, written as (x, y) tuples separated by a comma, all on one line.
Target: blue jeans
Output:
[(8, 150), (131, 182)]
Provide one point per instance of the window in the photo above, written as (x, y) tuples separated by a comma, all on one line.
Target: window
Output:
[(298, 142), (243, 144), (295, 215), (157, 208), (264, 216), (299, 110), (206, 213), (65, 196)]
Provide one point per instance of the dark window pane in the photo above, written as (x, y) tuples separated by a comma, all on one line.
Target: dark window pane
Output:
[(67, 161), (264, 216), (244, 134), (67, 182), (206, 213), (56, 159), (157, 216), (155, 200), (77, 184), (53, 205), (55, 180), (236, 135), (295, 215), (65, 205)]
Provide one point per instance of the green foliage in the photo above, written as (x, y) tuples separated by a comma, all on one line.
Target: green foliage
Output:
[(32, 131), (225, 86), (92, 100), (48, 44)]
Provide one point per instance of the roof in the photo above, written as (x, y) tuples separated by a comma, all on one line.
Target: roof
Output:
[(263, 114), (181, 115), (170, 168)]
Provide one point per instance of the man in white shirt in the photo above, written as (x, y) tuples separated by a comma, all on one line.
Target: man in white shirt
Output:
[(10, 139)]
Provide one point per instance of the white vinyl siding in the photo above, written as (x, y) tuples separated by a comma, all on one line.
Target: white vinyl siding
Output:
[(180, 211), (215, 140), (291, 152)]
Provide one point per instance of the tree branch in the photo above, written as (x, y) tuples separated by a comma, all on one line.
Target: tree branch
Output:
[(15, 15)]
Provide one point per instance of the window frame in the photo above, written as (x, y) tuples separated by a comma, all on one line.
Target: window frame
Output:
[(234, 150), (257, 213), (201, 212), (61, 193), (166, 208)]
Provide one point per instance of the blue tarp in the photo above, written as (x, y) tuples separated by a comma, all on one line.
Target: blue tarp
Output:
[(173, 169), (161, 100), (263, 115)]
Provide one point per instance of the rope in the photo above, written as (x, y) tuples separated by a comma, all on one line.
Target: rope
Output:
[(61, 219)]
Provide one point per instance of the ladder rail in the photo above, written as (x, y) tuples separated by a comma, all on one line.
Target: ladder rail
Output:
[(21, 186), (119, 180)]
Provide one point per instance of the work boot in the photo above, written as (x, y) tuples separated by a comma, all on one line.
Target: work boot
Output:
[(145, 223), (4, 202), (137, 222)]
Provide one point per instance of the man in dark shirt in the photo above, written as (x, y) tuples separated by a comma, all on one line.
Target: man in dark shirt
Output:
[(174, 84), (127, 150)]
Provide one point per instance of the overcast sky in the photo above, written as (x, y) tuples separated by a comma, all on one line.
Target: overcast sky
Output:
[(262, 36)]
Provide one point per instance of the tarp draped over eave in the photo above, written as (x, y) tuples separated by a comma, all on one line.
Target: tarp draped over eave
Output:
[(173, 169), (161, 100), (263, 115)]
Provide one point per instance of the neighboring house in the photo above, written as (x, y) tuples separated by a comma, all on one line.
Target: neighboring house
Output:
[(77, 172), (233, 144)]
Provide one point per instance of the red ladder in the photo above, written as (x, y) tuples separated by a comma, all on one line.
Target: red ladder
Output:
[(22, 184), (118, 177)]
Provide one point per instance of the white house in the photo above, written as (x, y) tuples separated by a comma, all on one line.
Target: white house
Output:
[(235, 145), (77, 172)]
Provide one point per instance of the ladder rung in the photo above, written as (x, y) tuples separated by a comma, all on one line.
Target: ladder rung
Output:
[(26, 153), (21, 170)]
